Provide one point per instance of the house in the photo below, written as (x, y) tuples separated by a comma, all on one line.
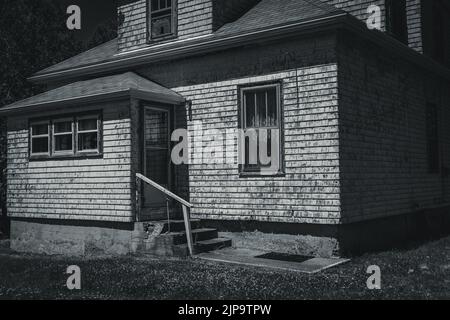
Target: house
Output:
[(352, 121)]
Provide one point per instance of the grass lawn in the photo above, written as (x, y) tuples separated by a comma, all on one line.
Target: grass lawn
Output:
[(423, 273)]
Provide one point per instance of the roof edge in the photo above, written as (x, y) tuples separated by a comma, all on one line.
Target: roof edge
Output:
[(96, 98), (10, 109), (202, 46)]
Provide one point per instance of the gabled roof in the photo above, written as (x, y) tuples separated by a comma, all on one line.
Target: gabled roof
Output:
[(105, 51), (127, 84), (266, 15)]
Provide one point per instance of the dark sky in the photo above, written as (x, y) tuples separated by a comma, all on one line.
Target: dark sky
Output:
[(93, 13)]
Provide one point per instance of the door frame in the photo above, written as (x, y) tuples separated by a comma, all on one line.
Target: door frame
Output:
[(143, 149)]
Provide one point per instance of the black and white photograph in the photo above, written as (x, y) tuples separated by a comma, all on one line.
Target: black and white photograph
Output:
[(223, 155)]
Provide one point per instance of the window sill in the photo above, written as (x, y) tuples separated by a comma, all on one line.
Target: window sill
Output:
[(67, 157), (162, 39), (260, 175)]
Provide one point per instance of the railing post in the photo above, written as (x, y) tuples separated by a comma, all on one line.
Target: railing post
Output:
[(138, 199), (187, 224), (168, 214)]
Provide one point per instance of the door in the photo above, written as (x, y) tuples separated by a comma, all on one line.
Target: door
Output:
[(156, 160)]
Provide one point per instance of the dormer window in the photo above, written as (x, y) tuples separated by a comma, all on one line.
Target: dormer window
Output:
[(162, 19), (396, 21)]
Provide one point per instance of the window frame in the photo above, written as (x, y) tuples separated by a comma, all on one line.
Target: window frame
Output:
[(391, 22), (48, 136), (242, 125), (74, 154), (98, 131), (174, 25), (53, 135)]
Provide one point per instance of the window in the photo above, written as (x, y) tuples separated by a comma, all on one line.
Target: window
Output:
[(88, 134), (68, 136), (40, 138), (260, 140), (438, 27), (62, 136), (396, 23), (162, 19), (432, 138)]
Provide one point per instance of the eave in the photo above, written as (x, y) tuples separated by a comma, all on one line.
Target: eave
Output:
[(125, 62)]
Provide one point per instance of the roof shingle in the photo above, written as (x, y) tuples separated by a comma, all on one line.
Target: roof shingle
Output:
[(124, 84), (271, 13)]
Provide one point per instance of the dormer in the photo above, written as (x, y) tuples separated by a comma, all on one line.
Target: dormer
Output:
[(148, 22)]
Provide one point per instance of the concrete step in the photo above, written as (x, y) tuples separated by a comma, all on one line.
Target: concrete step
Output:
[(178, 225), (176, 238)]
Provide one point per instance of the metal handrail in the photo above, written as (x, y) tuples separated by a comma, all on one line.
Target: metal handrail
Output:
[(185, 205)]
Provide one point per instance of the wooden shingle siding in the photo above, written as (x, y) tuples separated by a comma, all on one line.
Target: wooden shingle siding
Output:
[(194, 18), (309, 192), (383, 140), (76, 189), (132, 32), (413, 14)]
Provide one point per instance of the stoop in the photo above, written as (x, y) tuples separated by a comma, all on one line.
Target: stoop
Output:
[(168, 238)]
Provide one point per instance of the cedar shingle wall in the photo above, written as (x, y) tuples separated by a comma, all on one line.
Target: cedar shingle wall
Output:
[(132, 32), (89, 189), (413, 14), (194, 18), (383, 134), (310, 190)]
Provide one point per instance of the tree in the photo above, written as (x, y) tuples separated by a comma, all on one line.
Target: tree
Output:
[(105, 31), (33, 35)]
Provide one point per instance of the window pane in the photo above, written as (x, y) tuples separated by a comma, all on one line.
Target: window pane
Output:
[(39, 145), (87, 141), (261, 108), (155, 4), (61, 127), (163, 4), (87, 124), (250, 115), (39, 129), (272, 108), (63, 142), (161, 26), (156, 128)]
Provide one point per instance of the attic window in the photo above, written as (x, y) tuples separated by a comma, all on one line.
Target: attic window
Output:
[(162, 19), (396, 21)]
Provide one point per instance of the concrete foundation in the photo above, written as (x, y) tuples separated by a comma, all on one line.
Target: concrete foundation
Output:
[(90, 238), (76, 238), (343, 240)]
